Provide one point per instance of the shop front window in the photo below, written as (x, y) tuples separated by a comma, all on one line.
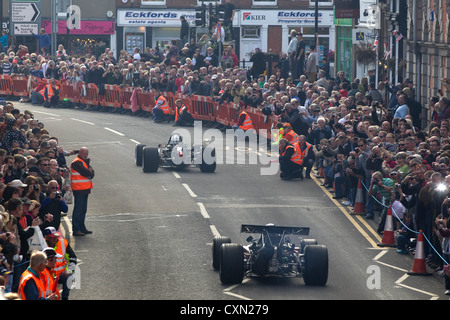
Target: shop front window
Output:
[(265, 2), (310, 39), (85, 45), (153, 2), (252, 32)]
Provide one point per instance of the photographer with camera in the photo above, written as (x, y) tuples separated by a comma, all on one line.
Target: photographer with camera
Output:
[(319, 131), (383, 187), (54, 205), (111, 75)]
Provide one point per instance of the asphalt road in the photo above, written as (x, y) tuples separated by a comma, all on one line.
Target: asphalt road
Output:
[(153, 232)]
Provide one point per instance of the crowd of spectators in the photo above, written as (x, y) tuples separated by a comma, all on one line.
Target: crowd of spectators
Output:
[(359, 130), (34, 179)]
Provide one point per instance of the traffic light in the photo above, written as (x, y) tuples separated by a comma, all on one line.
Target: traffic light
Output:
[(200, 16), (220, 12), (212, 18)]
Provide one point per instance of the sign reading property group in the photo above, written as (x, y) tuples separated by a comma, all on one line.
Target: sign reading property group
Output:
[(163, 18), (285, 17)]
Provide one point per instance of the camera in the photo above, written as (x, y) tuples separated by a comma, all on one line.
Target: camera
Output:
[(35, 187), (58, 195)]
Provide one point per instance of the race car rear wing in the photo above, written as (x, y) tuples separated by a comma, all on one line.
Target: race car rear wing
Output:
[(251, 228)]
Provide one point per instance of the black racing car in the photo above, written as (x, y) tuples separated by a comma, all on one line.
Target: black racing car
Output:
[(175, 154), (273, 254)]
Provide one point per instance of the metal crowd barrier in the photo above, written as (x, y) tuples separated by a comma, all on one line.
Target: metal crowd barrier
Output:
[(114, 96)]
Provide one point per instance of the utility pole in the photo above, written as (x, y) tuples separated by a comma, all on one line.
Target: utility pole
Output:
[(54, 21), (316, 21), (1, 17)]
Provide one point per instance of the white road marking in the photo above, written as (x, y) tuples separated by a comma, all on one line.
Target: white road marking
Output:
[(134, 141), (176, 175), (47, 113), (203, 210), (404, 277), (214, 231), (193, 195), (114, 131), (83, 121), (382, 253)]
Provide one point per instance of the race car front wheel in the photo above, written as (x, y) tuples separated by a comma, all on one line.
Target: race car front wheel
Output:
[(150, 159), (231, 263), (208, 164), (138, 154), (217, 243), (315, 271), (306, 242)]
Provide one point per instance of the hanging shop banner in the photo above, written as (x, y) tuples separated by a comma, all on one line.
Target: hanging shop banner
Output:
[(87, 27)]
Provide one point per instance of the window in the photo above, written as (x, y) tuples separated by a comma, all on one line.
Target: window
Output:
[(199, 2), (321, 3), (153, 2), (269, 3), (251, 32)]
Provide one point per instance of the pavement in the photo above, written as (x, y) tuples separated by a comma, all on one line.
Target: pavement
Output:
[(374, 223)]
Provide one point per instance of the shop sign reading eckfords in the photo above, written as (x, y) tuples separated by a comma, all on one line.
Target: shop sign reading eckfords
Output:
[(288, 17), (163, 18)]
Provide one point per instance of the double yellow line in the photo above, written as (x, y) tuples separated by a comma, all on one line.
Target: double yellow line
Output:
[(353, 218)]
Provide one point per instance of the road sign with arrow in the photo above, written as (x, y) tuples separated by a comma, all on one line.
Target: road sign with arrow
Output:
[(24, 12), (26, 17)]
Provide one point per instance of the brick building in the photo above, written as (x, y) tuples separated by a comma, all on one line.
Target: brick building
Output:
[(428, 47), (257, 24)]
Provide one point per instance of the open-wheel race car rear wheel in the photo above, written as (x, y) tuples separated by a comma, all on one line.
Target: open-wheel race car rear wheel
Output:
[(217, 243), (150, 159), (208, 164), (138, 154), (231, 263), (316, 265)]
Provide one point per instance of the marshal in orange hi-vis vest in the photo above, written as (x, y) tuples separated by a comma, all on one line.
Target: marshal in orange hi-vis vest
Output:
[(296, 157), (248, 124), (24, 278), (165, 106), (78, 182)]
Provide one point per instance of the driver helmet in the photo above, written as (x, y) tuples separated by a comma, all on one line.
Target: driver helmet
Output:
[(175, 139)]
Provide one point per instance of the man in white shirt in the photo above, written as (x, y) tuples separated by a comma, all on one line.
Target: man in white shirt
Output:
[(292, 49), (311, 64), (403, 109), (322, 82)]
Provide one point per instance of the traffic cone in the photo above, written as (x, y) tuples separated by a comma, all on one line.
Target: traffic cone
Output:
[(359, 200), (388, 239), (419, 268), (321, 173)]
